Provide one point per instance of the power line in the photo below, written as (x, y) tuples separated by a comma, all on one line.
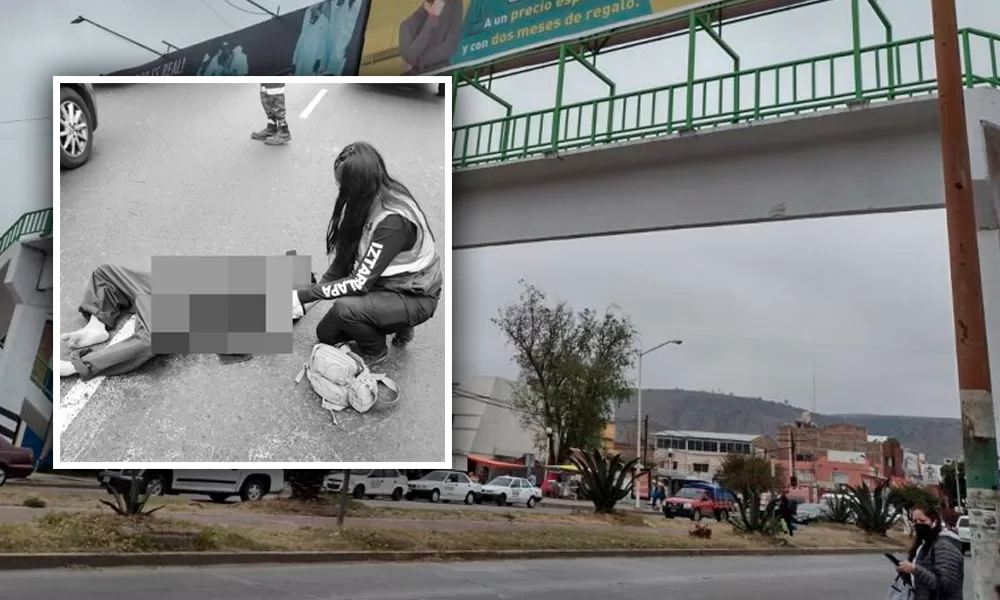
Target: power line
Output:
[(216, 13), (243, 10)]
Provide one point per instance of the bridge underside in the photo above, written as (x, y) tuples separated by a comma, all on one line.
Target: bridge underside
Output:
[(882, 157)]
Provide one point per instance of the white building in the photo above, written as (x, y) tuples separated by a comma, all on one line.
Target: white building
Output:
[(26, 335), (698, 454), (484, 424)]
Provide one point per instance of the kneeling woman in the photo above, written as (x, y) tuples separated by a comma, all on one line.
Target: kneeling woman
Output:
[(385, 274)]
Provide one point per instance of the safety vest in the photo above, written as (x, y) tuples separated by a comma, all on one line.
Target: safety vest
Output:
[(416, 270)]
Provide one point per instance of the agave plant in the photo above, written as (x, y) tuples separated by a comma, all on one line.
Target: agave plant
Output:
[(605, 480), (130, 500), (874, 512), (753, 516), (839, 510)]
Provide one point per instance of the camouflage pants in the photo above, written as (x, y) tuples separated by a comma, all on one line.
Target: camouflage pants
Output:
[(272, 97)]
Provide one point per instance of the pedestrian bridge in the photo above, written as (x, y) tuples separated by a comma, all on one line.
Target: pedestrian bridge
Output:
[(771, 143)]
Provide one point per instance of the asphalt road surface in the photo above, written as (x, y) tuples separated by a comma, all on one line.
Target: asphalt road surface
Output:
[(773, 578), (174, 171)]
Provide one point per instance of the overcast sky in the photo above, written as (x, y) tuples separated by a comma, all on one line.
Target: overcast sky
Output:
[(865, 300)]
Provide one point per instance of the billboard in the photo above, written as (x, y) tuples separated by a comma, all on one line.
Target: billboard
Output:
[(432, 36), (325, 38)]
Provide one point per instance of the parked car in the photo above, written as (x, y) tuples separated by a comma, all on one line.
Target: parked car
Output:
[(697, 502), (808, 512), (15, 462), (438, 486), (507, 491), (962, 528), (217, 484), (370, 484), (77, 124)]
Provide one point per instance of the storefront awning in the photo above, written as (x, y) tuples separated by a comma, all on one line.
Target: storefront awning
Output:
[(493, 463)]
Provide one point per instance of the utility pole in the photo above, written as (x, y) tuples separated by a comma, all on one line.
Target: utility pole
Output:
[(645, 436), (975, 388)]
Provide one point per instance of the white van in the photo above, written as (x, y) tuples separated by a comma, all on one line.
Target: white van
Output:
[(217, 484), (370, 483)]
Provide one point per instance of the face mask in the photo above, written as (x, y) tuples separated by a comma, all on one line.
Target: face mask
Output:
[(923, 530)]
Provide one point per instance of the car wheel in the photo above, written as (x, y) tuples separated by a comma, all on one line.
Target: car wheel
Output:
[(156, 485), (75, 130), (253, 489), (397, 494), (470, 498), (435, 496), (531, 502), (359, 491), (696, 516), (3, 475), (723, 516), (220, 498), (502, 500)]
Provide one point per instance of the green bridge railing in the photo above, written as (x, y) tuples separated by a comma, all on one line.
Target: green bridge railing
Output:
[(39, 221), (891, 70)]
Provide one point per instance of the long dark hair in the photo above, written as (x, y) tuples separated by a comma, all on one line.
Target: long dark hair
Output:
[(363, 180), (933, 514)]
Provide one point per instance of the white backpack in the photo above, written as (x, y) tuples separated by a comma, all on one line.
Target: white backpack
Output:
[(342, 379)]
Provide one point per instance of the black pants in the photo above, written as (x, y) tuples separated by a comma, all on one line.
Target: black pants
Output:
[(369, 318), (113, 291)]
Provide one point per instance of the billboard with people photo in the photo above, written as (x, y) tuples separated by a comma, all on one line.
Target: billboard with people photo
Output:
[(325, 38)]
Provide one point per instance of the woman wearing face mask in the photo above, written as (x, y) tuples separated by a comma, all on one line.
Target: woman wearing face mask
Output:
[(385, 274), (936, 566)]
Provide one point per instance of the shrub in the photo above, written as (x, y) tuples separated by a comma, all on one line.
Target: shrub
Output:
[(605, 480)]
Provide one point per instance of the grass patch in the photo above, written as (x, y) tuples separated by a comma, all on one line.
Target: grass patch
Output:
[(33, 502), (92, 532)]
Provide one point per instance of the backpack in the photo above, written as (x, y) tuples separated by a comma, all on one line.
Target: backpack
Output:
[(342, 379)]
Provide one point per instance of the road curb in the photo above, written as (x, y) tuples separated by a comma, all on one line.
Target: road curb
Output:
[(12, 562)]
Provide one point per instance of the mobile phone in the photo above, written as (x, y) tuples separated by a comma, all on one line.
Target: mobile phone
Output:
[(892, 559)]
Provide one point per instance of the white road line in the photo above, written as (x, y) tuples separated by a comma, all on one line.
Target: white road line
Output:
[(73, 401), (312, 105)]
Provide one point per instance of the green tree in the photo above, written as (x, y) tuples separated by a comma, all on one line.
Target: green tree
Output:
[(948, 481), (908, 496), (605, 479), (750, 478), (573, 368)]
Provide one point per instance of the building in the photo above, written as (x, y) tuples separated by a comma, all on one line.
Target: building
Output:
[(485, 427), (681, 455), (26, 335), (825, 459)]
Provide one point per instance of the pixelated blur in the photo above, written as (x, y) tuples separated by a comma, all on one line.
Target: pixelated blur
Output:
[(224, 304)]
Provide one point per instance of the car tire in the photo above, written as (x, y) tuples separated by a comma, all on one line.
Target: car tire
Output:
[(3, 475), (218, 498), (502, 500), (723, 516), (397, 494), (470, 498), (155, 485), (696, 516), (435, 496), (73, 103), (253, 489), (359, 491), (531, 502)]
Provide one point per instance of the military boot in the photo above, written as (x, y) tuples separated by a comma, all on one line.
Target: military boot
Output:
[(279, 137), (265, 133)]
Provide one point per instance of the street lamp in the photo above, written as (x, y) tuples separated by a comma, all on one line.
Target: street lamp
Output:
[(548, 459), (83, 19), (638, 415)]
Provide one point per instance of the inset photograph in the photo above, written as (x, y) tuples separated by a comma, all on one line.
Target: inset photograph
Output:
[(252, 272)]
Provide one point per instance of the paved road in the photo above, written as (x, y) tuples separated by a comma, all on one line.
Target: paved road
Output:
[(174, 172), (815, 578)]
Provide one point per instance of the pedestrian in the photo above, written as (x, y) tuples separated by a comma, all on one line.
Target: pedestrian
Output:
[(785, 513), (272, 98), (385, 274), (934, 563)]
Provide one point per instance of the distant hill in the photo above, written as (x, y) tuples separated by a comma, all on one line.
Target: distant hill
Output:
[(706, 411)]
